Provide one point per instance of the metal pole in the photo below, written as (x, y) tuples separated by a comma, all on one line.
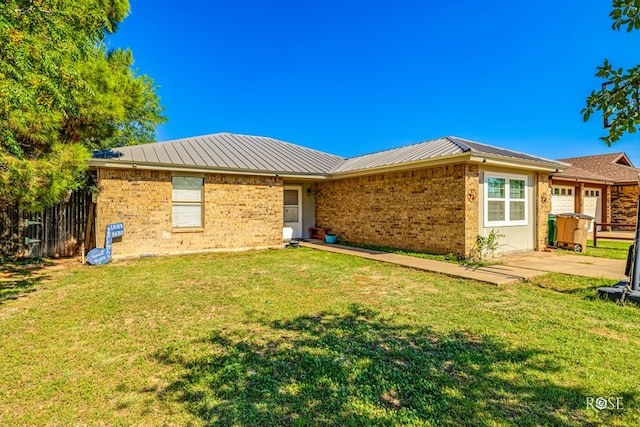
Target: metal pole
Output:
[(635, 275)]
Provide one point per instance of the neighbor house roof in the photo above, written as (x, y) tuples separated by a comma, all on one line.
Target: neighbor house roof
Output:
[(613, 168), (232, 153)]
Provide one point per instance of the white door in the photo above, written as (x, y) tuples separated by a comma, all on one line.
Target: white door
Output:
[(562, 200), (292, 213), (593, 205)]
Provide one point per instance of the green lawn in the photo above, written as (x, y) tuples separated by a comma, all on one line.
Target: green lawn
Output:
[(304, 337), (614, 249)]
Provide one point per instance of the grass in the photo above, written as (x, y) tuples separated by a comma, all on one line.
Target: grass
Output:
[(606, 249), (612, 249), (436, 257), (609, 249), (304, 337), (17, 276)]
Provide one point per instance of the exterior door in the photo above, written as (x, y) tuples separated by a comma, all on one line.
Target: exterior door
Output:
[(292, 212)]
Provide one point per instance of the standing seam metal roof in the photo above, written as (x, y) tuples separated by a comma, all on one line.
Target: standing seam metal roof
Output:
[(228, 151), (441, 147), (234, 152)]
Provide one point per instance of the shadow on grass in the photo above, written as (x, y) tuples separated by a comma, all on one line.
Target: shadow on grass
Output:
[(587, 287), (17, 277), (358, 369)]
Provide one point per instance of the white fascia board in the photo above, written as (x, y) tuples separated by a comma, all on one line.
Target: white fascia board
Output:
[(98, 163), (532, 165)]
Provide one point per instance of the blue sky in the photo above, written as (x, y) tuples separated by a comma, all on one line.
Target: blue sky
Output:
[(354, 77)]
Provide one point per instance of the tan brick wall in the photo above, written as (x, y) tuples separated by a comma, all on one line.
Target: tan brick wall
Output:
[(239, 212), (472, 209), (624, 200), (543, 209), (422, 210)]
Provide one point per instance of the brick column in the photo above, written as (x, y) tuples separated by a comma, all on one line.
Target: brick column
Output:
[(472, 207), (543, 209)]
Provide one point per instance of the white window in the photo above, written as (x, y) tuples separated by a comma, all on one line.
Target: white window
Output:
[(505, 200), (187, 201), (291, 211)]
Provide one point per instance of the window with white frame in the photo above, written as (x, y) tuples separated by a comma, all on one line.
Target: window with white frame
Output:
[(187, 201), (505, 200), (291, 208)]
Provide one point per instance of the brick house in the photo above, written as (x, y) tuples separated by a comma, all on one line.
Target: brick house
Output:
[(603, 186), (236, 192)]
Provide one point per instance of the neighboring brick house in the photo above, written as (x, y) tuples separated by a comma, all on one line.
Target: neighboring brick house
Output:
[(603, 186), (234, 192)]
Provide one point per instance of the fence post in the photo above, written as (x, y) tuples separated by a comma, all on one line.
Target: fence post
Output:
[(595, 234)]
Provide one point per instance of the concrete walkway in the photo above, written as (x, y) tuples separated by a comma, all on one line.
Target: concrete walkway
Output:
[(514, 268)]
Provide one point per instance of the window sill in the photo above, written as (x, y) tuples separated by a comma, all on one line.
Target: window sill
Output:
[(505, 224), (188, 230)]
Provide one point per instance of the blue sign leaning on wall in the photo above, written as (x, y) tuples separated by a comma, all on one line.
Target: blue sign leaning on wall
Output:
[(100, 256)]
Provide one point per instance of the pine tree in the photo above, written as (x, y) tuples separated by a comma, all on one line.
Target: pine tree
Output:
[(63, 95)]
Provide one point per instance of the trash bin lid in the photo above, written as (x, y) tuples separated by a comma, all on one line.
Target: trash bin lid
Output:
[(575, 215)]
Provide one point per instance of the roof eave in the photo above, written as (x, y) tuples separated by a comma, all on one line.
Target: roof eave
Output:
[(533, 165), (456, 158), (100, 163), (606, 181), (581, 179)]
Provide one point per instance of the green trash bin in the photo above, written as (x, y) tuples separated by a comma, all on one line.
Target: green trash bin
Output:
[(552, 231)]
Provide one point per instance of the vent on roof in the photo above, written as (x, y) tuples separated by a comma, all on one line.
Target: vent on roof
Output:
[(107, 154), (623, 160)]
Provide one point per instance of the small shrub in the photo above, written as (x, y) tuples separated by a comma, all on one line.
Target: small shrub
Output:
[(487, 245)]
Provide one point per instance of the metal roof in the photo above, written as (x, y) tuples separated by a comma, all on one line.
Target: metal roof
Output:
[(243, 153), (434, 149), (227, 151), (484, 149)]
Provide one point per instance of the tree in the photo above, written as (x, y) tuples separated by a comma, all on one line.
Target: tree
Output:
[(63, 95), (619, 97)]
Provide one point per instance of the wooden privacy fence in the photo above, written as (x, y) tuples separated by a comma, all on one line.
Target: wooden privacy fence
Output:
[(58, 231)]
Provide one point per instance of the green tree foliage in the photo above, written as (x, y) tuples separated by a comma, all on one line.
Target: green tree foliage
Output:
[(63, 95), (619, 97)]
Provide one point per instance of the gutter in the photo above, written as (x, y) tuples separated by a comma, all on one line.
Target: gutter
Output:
[(592, 180), (496, 160), (581, 179), (468, 156), (100, 163)]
